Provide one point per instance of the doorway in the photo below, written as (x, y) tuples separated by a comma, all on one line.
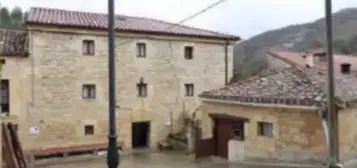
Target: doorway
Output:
[(140, 134)]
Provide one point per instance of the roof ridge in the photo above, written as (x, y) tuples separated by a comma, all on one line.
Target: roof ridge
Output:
[(65, 10), (137, 17), (261, 76)]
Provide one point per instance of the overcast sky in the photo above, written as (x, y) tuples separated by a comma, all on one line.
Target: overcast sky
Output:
[(245, 18)]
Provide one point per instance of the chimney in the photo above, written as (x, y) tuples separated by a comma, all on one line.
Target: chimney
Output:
[(345, 68), (309, 60)]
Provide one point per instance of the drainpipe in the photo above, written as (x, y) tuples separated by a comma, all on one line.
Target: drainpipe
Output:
[(324, 122), (325, 125), (226, 62)]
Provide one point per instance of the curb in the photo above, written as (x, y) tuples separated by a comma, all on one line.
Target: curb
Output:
[(284, 165), (81, 158), (267, 164), (350, 163)]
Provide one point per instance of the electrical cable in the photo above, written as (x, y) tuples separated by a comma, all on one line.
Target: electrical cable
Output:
[(200, 12)]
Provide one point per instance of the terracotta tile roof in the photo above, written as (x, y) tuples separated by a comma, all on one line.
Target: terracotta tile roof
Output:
[(67, 18), (14, 42), (317, 50), (296, 58), (292, 86)]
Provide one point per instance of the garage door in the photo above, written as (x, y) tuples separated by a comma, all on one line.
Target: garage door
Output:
[(222, 135)]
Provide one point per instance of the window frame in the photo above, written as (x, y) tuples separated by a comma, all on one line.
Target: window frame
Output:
[(188, 52), (86, 47), (5, 95), (189, 89), (262, 128), (92, 91), (140, 86), (91, 130), (139, 46), (238, 132)]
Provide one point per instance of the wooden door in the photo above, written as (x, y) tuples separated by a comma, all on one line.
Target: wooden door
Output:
[(222, 136)]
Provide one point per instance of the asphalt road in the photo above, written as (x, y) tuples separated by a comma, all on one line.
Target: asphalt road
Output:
[(152, 160)]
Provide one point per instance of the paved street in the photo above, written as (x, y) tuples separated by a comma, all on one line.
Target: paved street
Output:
[(155, 160)]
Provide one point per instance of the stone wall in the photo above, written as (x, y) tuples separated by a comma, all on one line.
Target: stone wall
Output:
[(276, 64), (298, 134), (348, 133), (48, 86)]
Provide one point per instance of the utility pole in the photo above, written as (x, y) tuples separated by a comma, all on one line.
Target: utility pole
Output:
[(332, 116), (112, 155)]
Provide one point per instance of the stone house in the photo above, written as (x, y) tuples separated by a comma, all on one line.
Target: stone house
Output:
[(279, 115), (312, 59), (57, 82)]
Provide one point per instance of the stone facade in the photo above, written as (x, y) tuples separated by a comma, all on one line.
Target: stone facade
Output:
[(298, 134), (46, 88), (347, 134)]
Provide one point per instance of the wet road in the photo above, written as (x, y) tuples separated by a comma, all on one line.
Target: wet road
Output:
[(154, 160)]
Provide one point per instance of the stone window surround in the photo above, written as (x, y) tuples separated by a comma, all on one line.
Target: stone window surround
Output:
[(5, 94), (189, 89), (189, 51), (89, 130), (261, 125), (135, 47), (142, 88), (92, 94), (141, 50), (85, 47)]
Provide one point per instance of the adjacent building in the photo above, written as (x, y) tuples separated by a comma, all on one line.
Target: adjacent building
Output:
[(315, 59), (55, 78), (280, 115)]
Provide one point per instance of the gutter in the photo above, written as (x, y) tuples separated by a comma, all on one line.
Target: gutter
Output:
[(314, 108)]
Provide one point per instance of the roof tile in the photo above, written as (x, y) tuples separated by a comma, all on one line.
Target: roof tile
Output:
[(60, 17), (292, 86)]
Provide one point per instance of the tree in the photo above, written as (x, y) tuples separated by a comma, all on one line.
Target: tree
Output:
[(26, 15), (352, 42), (17, 18), (342, 46), (12, 20), (5, 18)]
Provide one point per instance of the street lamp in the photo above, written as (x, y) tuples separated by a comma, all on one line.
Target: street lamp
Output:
[(332, 116), (112, 155)]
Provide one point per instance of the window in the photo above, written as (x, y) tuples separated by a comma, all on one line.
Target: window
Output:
[(265, 129), (238, 130), (189, 53), (142, 89), (88, 91), (189, 89), (141, 49), (2, 61), (5, 96), (88, 47), (89, 130)]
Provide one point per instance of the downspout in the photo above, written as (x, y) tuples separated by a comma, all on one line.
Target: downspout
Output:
[(226, 62), (325, 128)]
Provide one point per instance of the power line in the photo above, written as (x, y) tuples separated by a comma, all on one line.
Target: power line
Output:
[(200, 12), (84, 2)]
